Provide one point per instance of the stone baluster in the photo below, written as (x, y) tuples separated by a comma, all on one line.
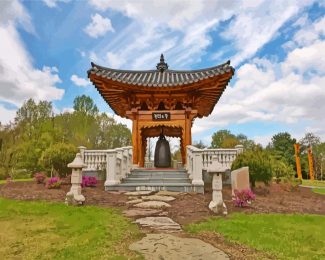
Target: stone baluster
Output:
[(74, 196), (111, 169)]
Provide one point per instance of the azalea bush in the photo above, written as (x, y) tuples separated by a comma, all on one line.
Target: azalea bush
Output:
[(53, 183), (243, 198), (39, 177), (88, 181)]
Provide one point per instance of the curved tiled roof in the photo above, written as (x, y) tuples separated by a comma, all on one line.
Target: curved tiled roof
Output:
[(159, 77)]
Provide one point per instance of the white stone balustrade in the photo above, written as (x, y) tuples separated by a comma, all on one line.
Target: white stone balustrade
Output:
[(200, 159), (117, 162)]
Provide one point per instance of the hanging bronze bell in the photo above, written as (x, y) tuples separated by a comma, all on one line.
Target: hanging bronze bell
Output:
[(162, 153)]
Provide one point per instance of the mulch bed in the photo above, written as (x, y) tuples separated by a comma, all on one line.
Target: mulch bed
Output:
[(32, 191), (276, 198), (189, 207)]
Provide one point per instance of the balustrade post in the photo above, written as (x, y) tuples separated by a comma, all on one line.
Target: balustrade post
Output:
[(111, 176), (189, 161), (82, 152), (125, 156), (239, 148), (119, 162), (197, 168), (130, 160)]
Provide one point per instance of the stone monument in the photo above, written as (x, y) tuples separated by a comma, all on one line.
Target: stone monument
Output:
[(239, 180)]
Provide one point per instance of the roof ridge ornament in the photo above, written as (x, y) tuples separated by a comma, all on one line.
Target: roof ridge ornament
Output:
[(162, 65)]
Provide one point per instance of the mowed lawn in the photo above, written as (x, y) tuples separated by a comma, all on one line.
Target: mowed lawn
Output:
[(315, 183), (319, 190), (283, 236), (42, 230), (16, 180)]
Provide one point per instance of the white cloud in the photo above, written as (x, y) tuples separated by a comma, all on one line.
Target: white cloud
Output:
[(13, 13), (121, 120), (98, 26), (114, 60), (67, 110), (275, 92), (309, 58), (19, 79), (253, 27), (266, 89), (190, 25), (54, 3), (80, 82), (309, 32), (7, 115)]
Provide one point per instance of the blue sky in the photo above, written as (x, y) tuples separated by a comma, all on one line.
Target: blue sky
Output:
[(276, 47)]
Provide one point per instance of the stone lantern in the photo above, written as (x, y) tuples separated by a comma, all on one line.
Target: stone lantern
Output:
[(74, 196), (216, 169)]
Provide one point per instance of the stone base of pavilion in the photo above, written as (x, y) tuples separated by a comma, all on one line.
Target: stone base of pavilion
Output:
[(156, 180)]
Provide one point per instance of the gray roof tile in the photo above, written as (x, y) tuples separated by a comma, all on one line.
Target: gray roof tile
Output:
[(159, 78)]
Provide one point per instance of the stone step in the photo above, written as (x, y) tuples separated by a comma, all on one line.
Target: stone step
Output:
[(156, 180), (180, 187), (158, 170), (162, 176)]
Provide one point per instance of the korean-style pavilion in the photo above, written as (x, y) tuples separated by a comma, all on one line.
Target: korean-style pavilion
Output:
[(161, 99)]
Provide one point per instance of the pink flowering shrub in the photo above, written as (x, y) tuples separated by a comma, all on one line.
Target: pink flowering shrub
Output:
[(39, 177), (53, 183), (243, 197), (88, 181)]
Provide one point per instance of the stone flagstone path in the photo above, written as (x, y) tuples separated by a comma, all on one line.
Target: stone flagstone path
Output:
[(169, 247), (160, 223), (149, 211), (152, 204), (158, 198)]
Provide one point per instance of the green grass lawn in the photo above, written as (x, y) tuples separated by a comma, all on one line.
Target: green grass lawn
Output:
[(315, 183), (319, 190), (41, 230), (284, 236), (28, 179)]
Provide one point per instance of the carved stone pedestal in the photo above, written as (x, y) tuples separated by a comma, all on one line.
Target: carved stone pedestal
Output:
[(74, 196)]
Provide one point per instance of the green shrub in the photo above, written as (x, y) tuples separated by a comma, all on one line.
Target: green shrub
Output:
[(3, 173), (281, 169), (58, 156), (20, 174), (259, 163)]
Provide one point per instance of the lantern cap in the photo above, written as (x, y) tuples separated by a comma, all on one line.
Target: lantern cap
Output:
[(77, 162)]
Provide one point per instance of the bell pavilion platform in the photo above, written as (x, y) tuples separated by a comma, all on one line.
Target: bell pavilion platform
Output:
[(156, 179)]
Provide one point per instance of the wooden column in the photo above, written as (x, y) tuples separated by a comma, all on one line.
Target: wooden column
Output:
[(187, 134), (135, 140)]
